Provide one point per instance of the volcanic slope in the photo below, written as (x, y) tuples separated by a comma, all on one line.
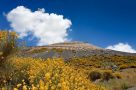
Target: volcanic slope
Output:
[(68, 50)]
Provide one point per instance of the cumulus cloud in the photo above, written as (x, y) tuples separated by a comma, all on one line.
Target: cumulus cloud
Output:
[(48, 28), (124, 47)]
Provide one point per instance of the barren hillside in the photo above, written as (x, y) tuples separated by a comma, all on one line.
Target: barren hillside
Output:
[(68, 50)]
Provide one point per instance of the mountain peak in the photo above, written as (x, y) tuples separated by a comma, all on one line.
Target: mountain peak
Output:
[(74, 45)]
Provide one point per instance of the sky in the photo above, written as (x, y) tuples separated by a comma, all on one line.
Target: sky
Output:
[(108, 24)]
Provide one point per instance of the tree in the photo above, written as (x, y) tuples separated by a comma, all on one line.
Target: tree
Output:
[(8, 43)]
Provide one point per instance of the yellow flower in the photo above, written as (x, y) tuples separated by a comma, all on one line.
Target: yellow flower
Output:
[(24, 87), (41, 85), (53, 87), (47, 76), (57, 74), (15, 89), (4, 88), (18, 85)]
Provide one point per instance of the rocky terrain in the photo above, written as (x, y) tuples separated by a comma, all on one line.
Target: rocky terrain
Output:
[(68, 50)]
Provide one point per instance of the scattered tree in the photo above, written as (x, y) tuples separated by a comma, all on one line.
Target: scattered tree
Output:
[(8, 43)]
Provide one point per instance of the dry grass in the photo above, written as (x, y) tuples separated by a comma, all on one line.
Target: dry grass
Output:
[(129, 75)]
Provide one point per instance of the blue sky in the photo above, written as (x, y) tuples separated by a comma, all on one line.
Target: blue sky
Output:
[(100, 22)]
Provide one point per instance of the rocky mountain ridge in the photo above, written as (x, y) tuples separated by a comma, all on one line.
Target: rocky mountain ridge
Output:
[(68, 50)]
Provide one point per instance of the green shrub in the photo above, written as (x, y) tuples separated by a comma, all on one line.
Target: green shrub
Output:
[(125, 86), (107, 75), (94, 75)]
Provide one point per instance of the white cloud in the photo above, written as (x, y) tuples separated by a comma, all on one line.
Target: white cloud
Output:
[(124, 47), (48, 28)]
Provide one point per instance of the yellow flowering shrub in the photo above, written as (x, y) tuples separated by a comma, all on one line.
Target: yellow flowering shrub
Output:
[(50, 74), (103, 62), (7, 44), (7, 37), (118, 75), (123, 66)]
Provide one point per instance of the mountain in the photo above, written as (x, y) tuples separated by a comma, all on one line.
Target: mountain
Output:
[(112, 69), (69, 50)]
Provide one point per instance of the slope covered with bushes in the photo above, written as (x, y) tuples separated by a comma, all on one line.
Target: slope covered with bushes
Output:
[(51, 74), (82, 68)]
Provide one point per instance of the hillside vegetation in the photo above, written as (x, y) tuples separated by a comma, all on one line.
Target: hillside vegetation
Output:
[(113, 72), (20, 73), (39, 74), (63, 66)]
